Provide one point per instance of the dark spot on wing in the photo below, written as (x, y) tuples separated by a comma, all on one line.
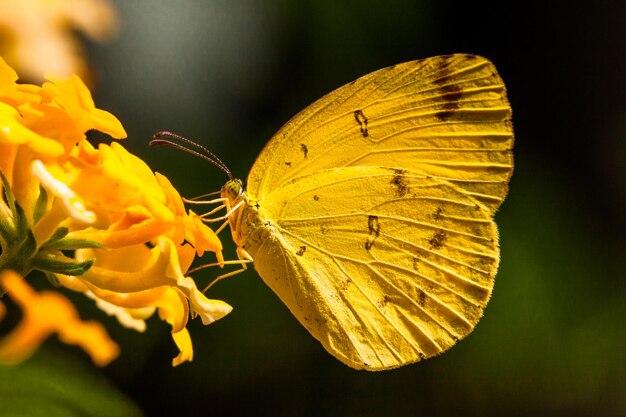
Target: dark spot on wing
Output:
[(416, 263), (301, 251), (304, 149), (288, 164), (345, 284), (374, 231), (399, 182), (324, 229), (438, 240), (315, 197), (443, 72), (494, 169), (382, 301), (421, 298), (420, 254), (452, 92), (362, 121), (438, 215), (451, 95), (476, 230)]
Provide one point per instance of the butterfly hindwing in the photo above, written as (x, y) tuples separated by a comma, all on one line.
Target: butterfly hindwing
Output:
[(384, 267)]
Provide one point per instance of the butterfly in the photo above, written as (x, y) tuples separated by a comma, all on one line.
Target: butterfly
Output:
[(370, 213)]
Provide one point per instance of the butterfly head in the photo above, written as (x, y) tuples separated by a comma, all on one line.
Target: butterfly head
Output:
[(233, 190)]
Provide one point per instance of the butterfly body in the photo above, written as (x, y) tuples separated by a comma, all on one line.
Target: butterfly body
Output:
[(369, 214)]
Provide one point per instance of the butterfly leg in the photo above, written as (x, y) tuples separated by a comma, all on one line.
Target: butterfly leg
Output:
[(244, 258), (223, 203)]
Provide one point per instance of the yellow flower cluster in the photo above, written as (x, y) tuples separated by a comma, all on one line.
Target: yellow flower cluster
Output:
[(94, 220), (38, 36)]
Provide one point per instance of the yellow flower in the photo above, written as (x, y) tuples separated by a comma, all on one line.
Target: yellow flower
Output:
[(47, 313), (44, 123), (131, 283), (127, 229), (39, 35), (132, 204)]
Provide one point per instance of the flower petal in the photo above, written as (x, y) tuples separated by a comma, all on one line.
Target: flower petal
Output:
[(46, 313), (13, 131), (183, 341), (73, 203), (123, 315)]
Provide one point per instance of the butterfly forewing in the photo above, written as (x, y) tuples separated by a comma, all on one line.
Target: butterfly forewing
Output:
[(447, 116)]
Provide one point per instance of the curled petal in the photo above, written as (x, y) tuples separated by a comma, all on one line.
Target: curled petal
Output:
[(208, 310), (200, 235), (13, 131), (8, 77), (138, 233), (174, 201), (11, 92), (124, 316), (46, 313), (131, 268), (139, 268), (171, 304), (73, 96), (183, 341), (73, 203), (72, 282)]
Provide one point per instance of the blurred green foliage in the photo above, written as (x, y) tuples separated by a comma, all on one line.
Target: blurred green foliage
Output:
[(54, 384), (229, 74)]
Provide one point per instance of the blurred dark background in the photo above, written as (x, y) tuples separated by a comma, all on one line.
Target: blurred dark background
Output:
[(229, 74)]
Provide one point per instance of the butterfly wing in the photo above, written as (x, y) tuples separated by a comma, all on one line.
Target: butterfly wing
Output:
[(383, 267), (375, 209), (447, 116)]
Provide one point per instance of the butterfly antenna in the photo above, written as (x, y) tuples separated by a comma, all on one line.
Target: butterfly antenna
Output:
[(157, 139)]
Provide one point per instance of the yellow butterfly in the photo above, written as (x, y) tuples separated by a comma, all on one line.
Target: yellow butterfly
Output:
[(370, 212)]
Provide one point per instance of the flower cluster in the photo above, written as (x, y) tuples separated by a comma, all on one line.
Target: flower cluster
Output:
[(93, 219), (40, 36)]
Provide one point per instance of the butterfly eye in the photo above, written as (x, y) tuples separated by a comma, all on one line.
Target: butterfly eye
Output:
[(233, 190)]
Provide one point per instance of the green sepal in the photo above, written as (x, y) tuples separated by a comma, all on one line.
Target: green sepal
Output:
[(7, 231), (58, 241), (73, 244), (41, 205), (21, 221), (53, 264), (27, 247), (58, 234), (8, 228), (7, 192), (52, 279)]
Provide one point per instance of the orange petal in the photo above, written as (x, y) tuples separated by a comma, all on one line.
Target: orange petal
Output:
[(46, 313), (183, 341)]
